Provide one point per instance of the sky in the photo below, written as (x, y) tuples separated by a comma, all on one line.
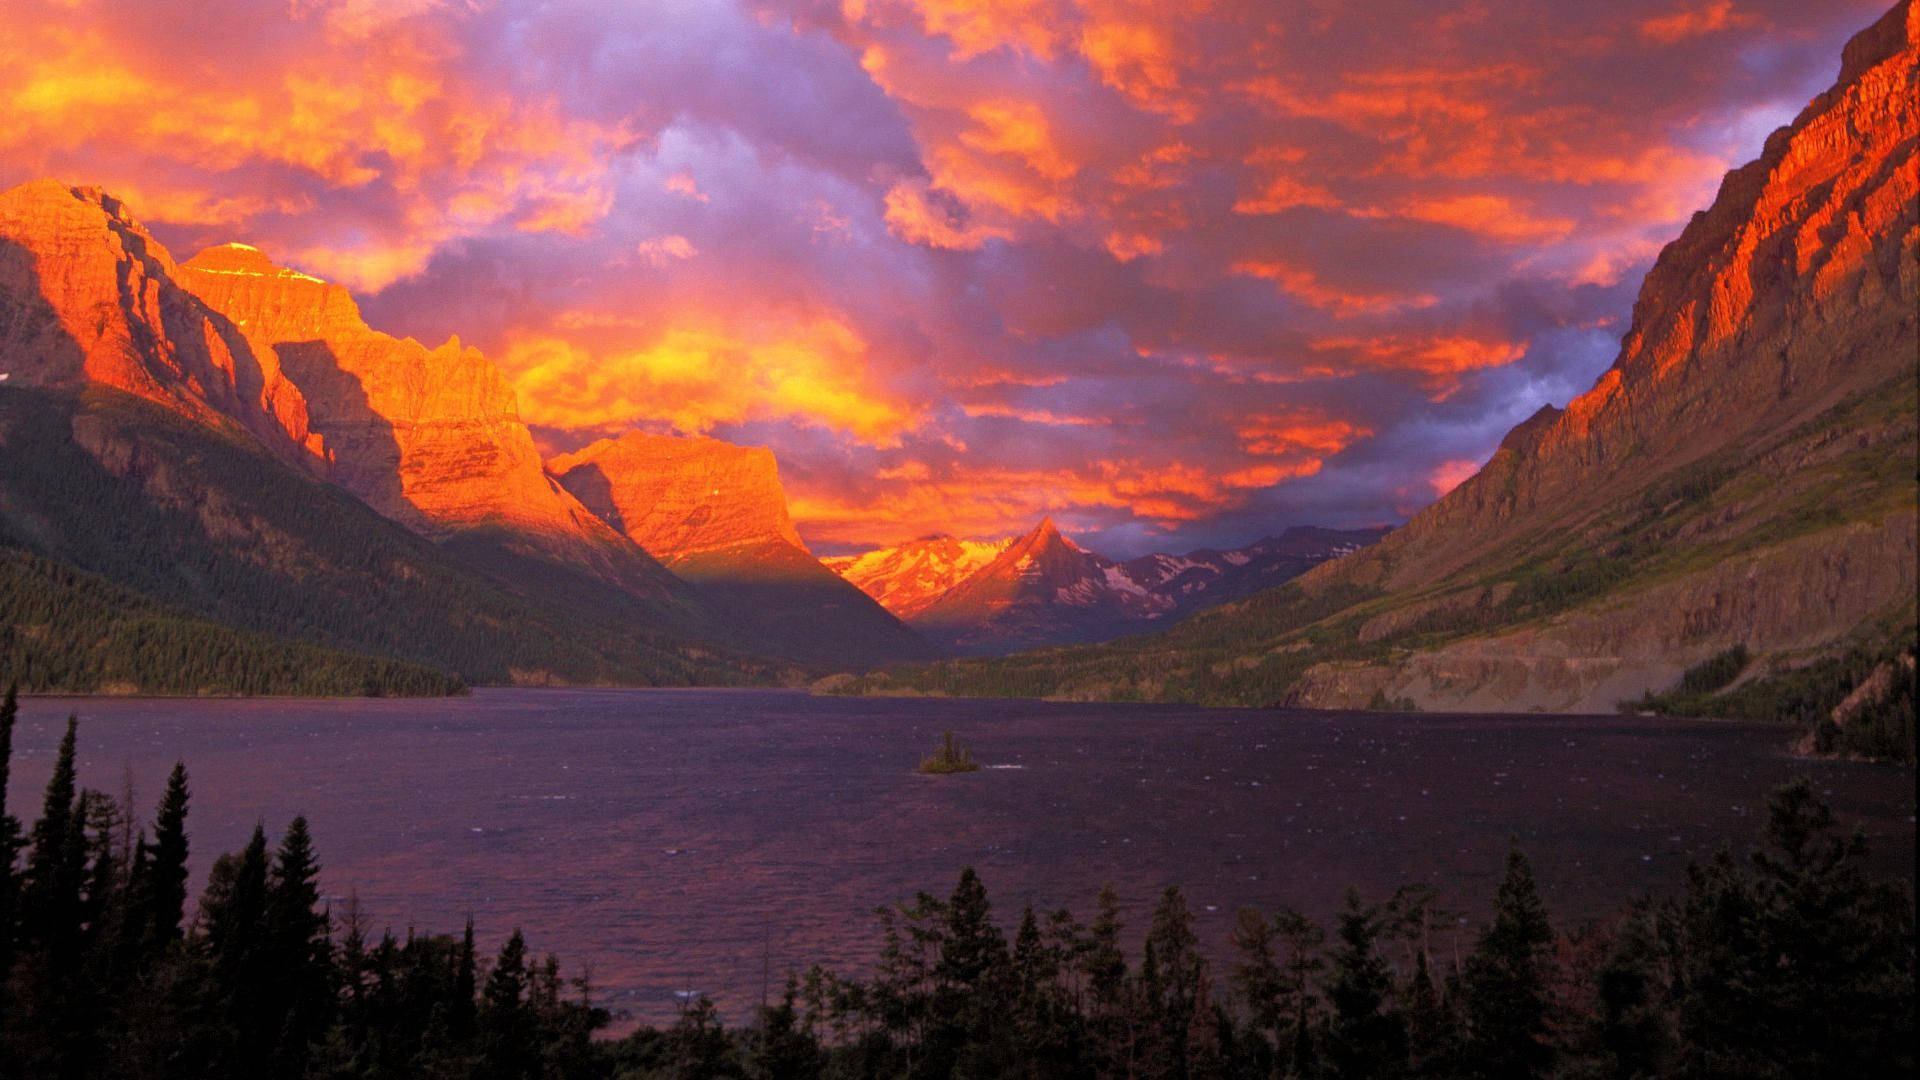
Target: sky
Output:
[(1178, 274)]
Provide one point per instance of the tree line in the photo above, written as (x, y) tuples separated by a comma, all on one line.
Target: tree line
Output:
[(1790, 963)]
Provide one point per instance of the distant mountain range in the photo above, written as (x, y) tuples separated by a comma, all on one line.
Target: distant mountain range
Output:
[(227, 440), (1043, 589), (221, 451), (1731, 509)]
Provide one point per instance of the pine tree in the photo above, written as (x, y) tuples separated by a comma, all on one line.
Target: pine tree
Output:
[(1507, 979), (1170, 975), (166, 875), (783, 1048), (297, 946), (1630, 1026), (1433, 1026), (1303, 940), (56, 868), (973, 947), (1801, 968), (508, 1051), (462, 1012), (10, 841), (1364, 1038), (233, 913)]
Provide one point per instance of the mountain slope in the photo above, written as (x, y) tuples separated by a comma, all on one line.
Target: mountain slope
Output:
[(206, 524), (906, 578), (157, 443), (716, 516), (1043, 589), (432, 438), (1742, 476)]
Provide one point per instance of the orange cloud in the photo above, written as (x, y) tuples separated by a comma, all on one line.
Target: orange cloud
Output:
[(1439, 359), (1450, 474), (455, 155), (696, 379), (1692, 22), (973, 26), (912, 216), (1285, 434), (1303, 284), (991, 502), (1496, 217), (665, 249)]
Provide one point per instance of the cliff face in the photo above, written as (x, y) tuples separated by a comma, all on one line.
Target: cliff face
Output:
[(1762, 405), (1793, 291), (87, 296), (429, 437), (716, 515), (907, 578), (679, 497), (1741, 476)]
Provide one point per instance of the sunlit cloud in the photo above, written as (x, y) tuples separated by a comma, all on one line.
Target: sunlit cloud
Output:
[(1176, 273), (696, 380)]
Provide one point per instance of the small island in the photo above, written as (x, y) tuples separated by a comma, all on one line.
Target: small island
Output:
[(948, 757)]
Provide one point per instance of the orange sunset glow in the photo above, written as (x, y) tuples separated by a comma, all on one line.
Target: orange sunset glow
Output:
[(1174, 273)]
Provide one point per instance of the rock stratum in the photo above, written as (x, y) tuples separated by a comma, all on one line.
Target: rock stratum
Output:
[(1743, 475)]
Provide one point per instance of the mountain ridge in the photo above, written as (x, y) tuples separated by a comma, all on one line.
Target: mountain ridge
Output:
[(1041, 588), (1742, 476)]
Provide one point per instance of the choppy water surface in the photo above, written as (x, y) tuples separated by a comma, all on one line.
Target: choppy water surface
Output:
[(689, 840)]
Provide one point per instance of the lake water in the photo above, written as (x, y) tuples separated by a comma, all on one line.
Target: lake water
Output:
[(689, 840)]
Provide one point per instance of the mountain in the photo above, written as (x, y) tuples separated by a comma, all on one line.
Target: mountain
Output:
[(89, 298), (155, 445), (1736, 492), (905, 579), (431, 438), (1043, 589), (716, 516)]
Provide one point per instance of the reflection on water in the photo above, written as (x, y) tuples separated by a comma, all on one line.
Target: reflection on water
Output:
[(690, 840)]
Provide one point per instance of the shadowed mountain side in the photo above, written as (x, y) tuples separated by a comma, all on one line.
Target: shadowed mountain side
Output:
[(1741, 482), (204, 522), (781, 596), (716, 515)]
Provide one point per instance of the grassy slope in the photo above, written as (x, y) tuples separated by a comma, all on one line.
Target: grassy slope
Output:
[(203, 523), (1854, 463)]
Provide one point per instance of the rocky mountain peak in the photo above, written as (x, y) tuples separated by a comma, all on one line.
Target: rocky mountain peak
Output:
[(88, 296), (681, 496)]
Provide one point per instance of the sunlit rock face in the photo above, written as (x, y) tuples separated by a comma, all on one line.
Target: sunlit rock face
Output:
[(907, 578), (679, 497), (87, 296), (1770, 362), (429, 437), (716, 515), (1794, 290)]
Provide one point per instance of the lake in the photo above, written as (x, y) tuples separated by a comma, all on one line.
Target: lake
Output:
[(693, 840)]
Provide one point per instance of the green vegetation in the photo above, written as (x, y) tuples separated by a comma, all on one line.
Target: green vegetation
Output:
[(204, 525), (66, 631), (1380, 702), (1881, 726), (1715, 671), (1788, 964), (948, 757)]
